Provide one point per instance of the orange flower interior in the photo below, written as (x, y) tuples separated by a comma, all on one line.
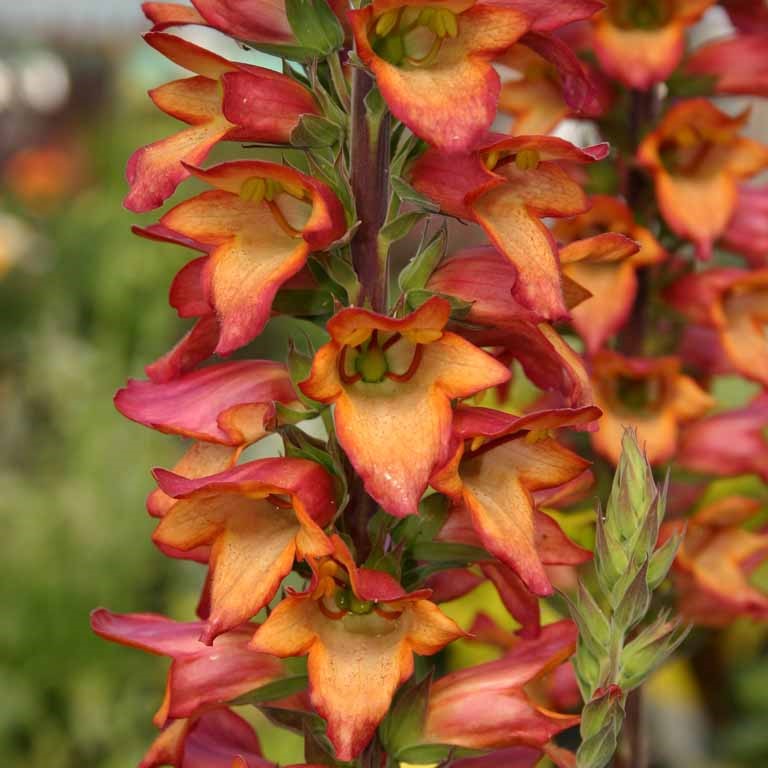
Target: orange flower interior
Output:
[(289, 203), (383, 356), (413, 35)]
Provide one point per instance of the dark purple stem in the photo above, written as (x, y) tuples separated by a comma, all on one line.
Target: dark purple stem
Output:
[(370, 186)]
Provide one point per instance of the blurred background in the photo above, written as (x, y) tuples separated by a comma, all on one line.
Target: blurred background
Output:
[(83, 305)]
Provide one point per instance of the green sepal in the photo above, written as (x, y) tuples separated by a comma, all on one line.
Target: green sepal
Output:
[(635, 602), (408, 194), (333, 269), (427, 754), (318, 750), (313, 132), (459, 308), (295, 720), (315, 25), (403, 727), (279, 689), (291, 52), (662, 559), (416, 273), (597, 750), (594, 628), (651, 648), (288, 415), (424, 527), (299, 445)]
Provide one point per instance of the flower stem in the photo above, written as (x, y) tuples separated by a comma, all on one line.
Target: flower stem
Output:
[(370, 186)]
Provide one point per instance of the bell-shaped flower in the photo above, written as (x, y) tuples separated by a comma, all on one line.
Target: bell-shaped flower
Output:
[(256, 518), (697, 158), (488, 282), (747, 231), (729, 443), (605, 264), (392, 382), (432, 63), (713, 566), (259, 224), (223, 408), (551, 83), (200, 677), (738, 65), (650, 394), (734, 302), (359, 629), (508, 186), (225, 100), (498, 462), (488, 706), (218, 738), (641, 42)]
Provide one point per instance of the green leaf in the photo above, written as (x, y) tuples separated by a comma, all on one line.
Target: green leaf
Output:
[(408, 194), (416, 273), (315, 25), (303, 302), (278, 689), (438, 551), (649, 650)]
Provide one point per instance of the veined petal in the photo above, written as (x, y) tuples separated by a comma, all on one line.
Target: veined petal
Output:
[(253, 257), (155, 171), (254, 541), (220, 736), (451, 102), (486, 707), (200, 460), (546, 16), (198, 678), (214, 404), (346, 655), (510, 216), (193, 348), (638, 57), (264, 21), (163, 15)]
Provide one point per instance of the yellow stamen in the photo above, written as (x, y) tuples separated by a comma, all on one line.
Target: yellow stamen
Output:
[(387, 22), (527, 159), (252, 190), (537, 435), (491, 160), (450, 22)]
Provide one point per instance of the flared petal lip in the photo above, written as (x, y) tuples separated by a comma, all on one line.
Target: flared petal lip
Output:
[(471, 422), (326, 223), (308, 483)]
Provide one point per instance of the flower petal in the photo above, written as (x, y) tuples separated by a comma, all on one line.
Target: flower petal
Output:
[(452, 102), (200, 404), (263, 21), (193, 348)]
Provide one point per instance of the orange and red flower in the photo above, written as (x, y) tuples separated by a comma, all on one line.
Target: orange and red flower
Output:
[(729, 443), (697, 158), (733, 302), (650, 394), (359, 629), (640, 42), (715, 560), (256, 518), (223, 408), (507, 186), (599, 256), (225, 101), (747, 232), (198, 679), (487, 706), (494, 474), (258, 225), (392, 382), (737, 65), (216, 739)]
